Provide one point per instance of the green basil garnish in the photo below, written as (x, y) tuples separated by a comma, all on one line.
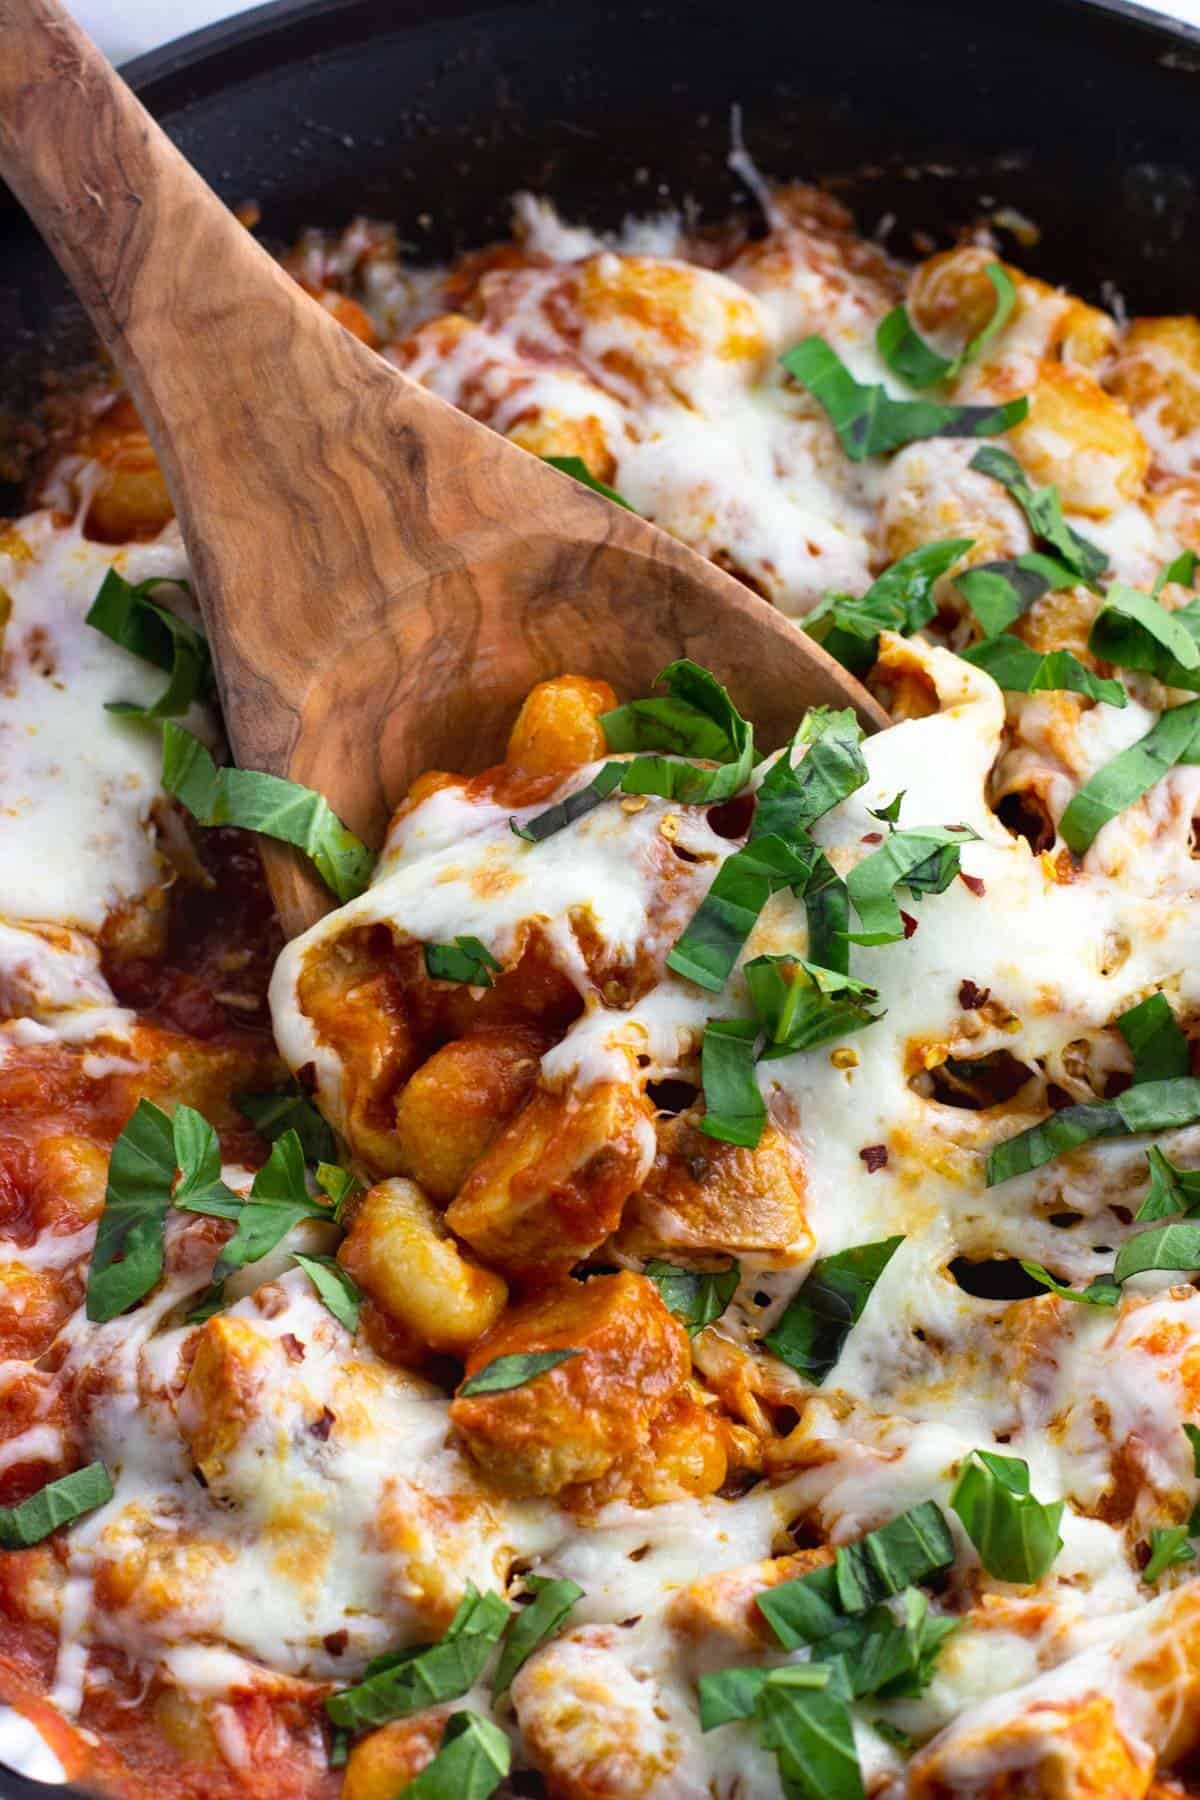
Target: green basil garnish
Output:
[(1174, 1246), (734, 1109), (556, 818), (812, 1734), (799, 1005), (908, 1549), (791, 798), (577, 469), (273, 1114), (1015, 1534), (998, 593), (127, 1259), (901, 599), (745, 881), (1172, 1191), (1150, 1106), (870, 423), (908, 355), (506, 1372), (1168, 1548), (56, 1504), (341, 1186), (278, 1200), (336, 1288), (821, 1315), (400, 1685), (1192, 1433), (474, 1759), (1103, 1291), (268, 805), (1156, 1043), (732, 1694), (1135, 631), (924, 860), (695, 717), (1043, 511), (1013, 666), (1172, 739), (696, 1297), (125, 613), (531, 1625), (891, 1657), (1182, 569), (465, 960)]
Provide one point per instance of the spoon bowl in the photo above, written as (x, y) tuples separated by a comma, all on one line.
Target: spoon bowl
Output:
[(382, 578)]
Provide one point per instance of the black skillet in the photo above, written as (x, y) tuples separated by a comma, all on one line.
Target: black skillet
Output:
[(1078, 115)]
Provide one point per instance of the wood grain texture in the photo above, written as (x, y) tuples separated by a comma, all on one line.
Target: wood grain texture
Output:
[(382, 579)]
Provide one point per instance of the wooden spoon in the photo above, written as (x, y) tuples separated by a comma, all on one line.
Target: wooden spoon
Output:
[(382, 579)]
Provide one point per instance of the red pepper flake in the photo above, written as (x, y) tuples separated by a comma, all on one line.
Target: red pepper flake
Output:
[(293, 1346), (875, 1157), (973, 882), (971, 998), (910, 924), (872, 837), (335, 1642), (322, 1427)]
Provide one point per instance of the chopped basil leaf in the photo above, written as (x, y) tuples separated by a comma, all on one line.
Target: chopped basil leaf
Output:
[(820, 1316), (341, 1186), (870, 423), (1193, 1437), (1175, 1246), (998, 593), (803, 1611), (267, 804), (732, 1694), (908, 1549), (1135, 631), (466, 960), (1043, 510), (278, 1200), (577, 469), (696, 717), (1103, 1291), (1181, 570), (827, 911), (505, 1372), (800, 1005), (891, 1651), (128, 1256), (734, 1109), (1150, 1106), (474, 1759), (901, 599), (273, 1114), (335, 1286), (58, 1503), (1168, 1548), (533, 1624), (1013, 666), (565, 812), (710, 716), (924, 860), (1015, 1534), (433, 1675), (1156, 1043), (712, 941), (126, 614), (812, 1734), (908, 355), (1172, 1191), (695, 1297), (892, 1734), (1174, 738), (792, 797)]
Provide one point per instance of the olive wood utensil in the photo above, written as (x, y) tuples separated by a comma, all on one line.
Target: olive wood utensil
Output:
[(382, 578)]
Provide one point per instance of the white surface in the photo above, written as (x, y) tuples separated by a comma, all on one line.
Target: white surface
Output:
[(125, 28)]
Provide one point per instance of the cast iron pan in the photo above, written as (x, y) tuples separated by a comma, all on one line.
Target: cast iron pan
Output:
[(1079, 115)]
